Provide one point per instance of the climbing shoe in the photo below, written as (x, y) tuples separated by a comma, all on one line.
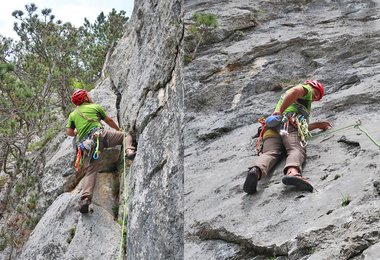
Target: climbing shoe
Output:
[(84, 205), (298, 181), (250, 184), (130, 154)]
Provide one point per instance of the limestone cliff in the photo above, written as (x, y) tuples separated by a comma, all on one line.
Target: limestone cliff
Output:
[(258, 49), (143, 91), (147, 77)]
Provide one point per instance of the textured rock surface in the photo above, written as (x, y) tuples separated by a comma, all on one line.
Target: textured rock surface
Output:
[(145, 92), (64, 233), (258, 49), (147, 76)]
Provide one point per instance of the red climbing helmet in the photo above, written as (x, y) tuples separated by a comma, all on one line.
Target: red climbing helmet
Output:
[(79, 96), (318, 85)]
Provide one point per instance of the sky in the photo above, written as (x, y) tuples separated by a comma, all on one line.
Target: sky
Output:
[(73, 11)]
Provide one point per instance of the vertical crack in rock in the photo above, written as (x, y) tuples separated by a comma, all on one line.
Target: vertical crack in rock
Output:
[(159, 86), (118, 99)]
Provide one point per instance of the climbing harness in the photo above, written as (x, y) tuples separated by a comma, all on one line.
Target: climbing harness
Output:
[(78, 160), (298, 121), (86, 145), (260, 141)]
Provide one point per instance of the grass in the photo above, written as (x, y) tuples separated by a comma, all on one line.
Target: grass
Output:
[(345, 200), (32, 201), (19, 188), (71, 234), (31, 222), (19, 209), (187, 59)]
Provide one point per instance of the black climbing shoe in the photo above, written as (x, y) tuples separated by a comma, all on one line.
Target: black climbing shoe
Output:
[(84, 205), (250, 183), (298, 181)]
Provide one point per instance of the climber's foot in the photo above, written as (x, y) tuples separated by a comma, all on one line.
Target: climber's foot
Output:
[(298, 181)]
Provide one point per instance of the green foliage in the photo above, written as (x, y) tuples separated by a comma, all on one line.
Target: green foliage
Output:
[(205, 19), (346, 200), (187, 59), (31, 222), (71, 234), (19, 209), (32, 201), (39, 71), (98, 39), (203, 24), (20, 188), (49, 134)]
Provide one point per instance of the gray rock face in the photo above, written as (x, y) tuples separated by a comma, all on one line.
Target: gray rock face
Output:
[(145, 71), (64, 233), (145, 92), (238, 75)]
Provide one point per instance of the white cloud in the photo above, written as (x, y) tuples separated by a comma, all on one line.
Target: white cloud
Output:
[(73, 11)]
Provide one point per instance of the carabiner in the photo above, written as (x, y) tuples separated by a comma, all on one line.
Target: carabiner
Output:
[(96, 152)]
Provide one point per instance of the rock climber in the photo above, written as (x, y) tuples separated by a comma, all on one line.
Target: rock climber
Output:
[(286, 131), (84, 123)]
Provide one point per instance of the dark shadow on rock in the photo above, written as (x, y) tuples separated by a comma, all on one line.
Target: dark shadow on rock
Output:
[(343, 139)]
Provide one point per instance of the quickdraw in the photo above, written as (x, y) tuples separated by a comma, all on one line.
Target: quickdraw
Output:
[(285, 126), (95, 156), (85, 146), (260, 141), (78, 160), (303, 130)]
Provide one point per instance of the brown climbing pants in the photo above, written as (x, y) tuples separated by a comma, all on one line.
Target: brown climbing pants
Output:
[(110, 139), (274, 147)]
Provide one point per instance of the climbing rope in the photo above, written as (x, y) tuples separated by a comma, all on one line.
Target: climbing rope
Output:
[(125, 200), (356, 125), (333, 131)]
